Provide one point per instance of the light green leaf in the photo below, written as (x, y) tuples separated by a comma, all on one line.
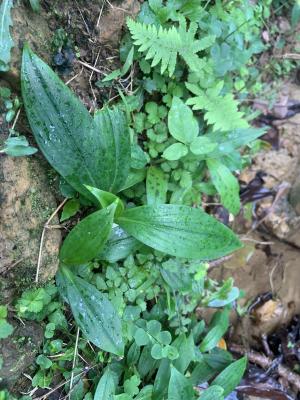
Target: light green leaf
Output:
[(6, 329), (175, 152), (156, 186), (135, 176), (106, 387), (295, 17), (92, 311), (179, 386), (88, 238), (179, 231), (85, 151), (141, 337), (202, 145), (3, 312), (231, 376), (182, 124), (17, 147), (145, 393), (35, 5), (105, 199), (212, 393), (6, 41), (226, 184), (70, 208)]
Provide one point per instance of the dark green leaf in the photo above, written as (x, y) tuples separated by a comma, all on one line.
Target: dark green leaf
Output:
[(182, 124), (180, 231), (92, 311), (6, 41), (106, 386), (226, 184), (186, 349), (85, 151), (156, 186), (179, 386), (231, 376), (162, 379), (88, 238), (113, 128), (138, 157), (145, 393), (119, 246), (70, 208), (135, 176)]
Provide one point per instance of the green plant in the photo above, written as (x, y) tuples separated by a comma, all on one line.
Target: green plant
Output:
[(133, 271)]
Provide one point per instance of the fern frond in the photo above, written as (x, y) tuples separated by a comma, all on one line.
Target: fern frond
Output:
[(165, 45), (220, 111)]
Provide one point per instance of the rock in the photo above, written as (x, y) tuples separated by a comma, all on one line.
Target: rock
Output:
[(111, 25), (26, 202), (25, 23), (294, 197), (19, 351)]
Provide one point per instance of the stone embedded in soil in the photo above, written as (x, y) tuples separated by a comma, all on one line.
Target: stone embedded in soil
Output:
[(18, 352)]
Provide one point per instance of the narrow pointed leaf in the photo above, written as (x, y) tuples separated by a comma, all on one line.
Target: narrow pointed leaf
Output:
[(88, 238), (92, 311), (212, 393), (226, 184), (231, 376), (179, 231)]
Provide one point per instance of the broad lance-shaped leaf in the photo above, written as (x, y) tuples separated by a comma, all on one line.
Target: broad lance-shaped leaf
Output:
[(226, 184), (92, 311), (6, 41), (83, 150), (180, 231), (113, 128), (88, 238), (231, 376), (107, 385)]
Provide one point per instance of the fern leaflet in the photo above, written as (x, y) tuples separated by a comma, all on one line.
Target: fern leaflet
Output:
[(164, 45), (220, 111)]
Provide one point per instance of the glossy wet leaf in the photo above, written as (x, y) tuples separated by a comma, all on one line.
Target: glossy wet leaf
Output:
[(231, 376), (113, 128), (92, 311), (182, 124), (6, 41), (226, 184), (118, 246), (180, 231), (88, 238), (85, 151), (156, 186)]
